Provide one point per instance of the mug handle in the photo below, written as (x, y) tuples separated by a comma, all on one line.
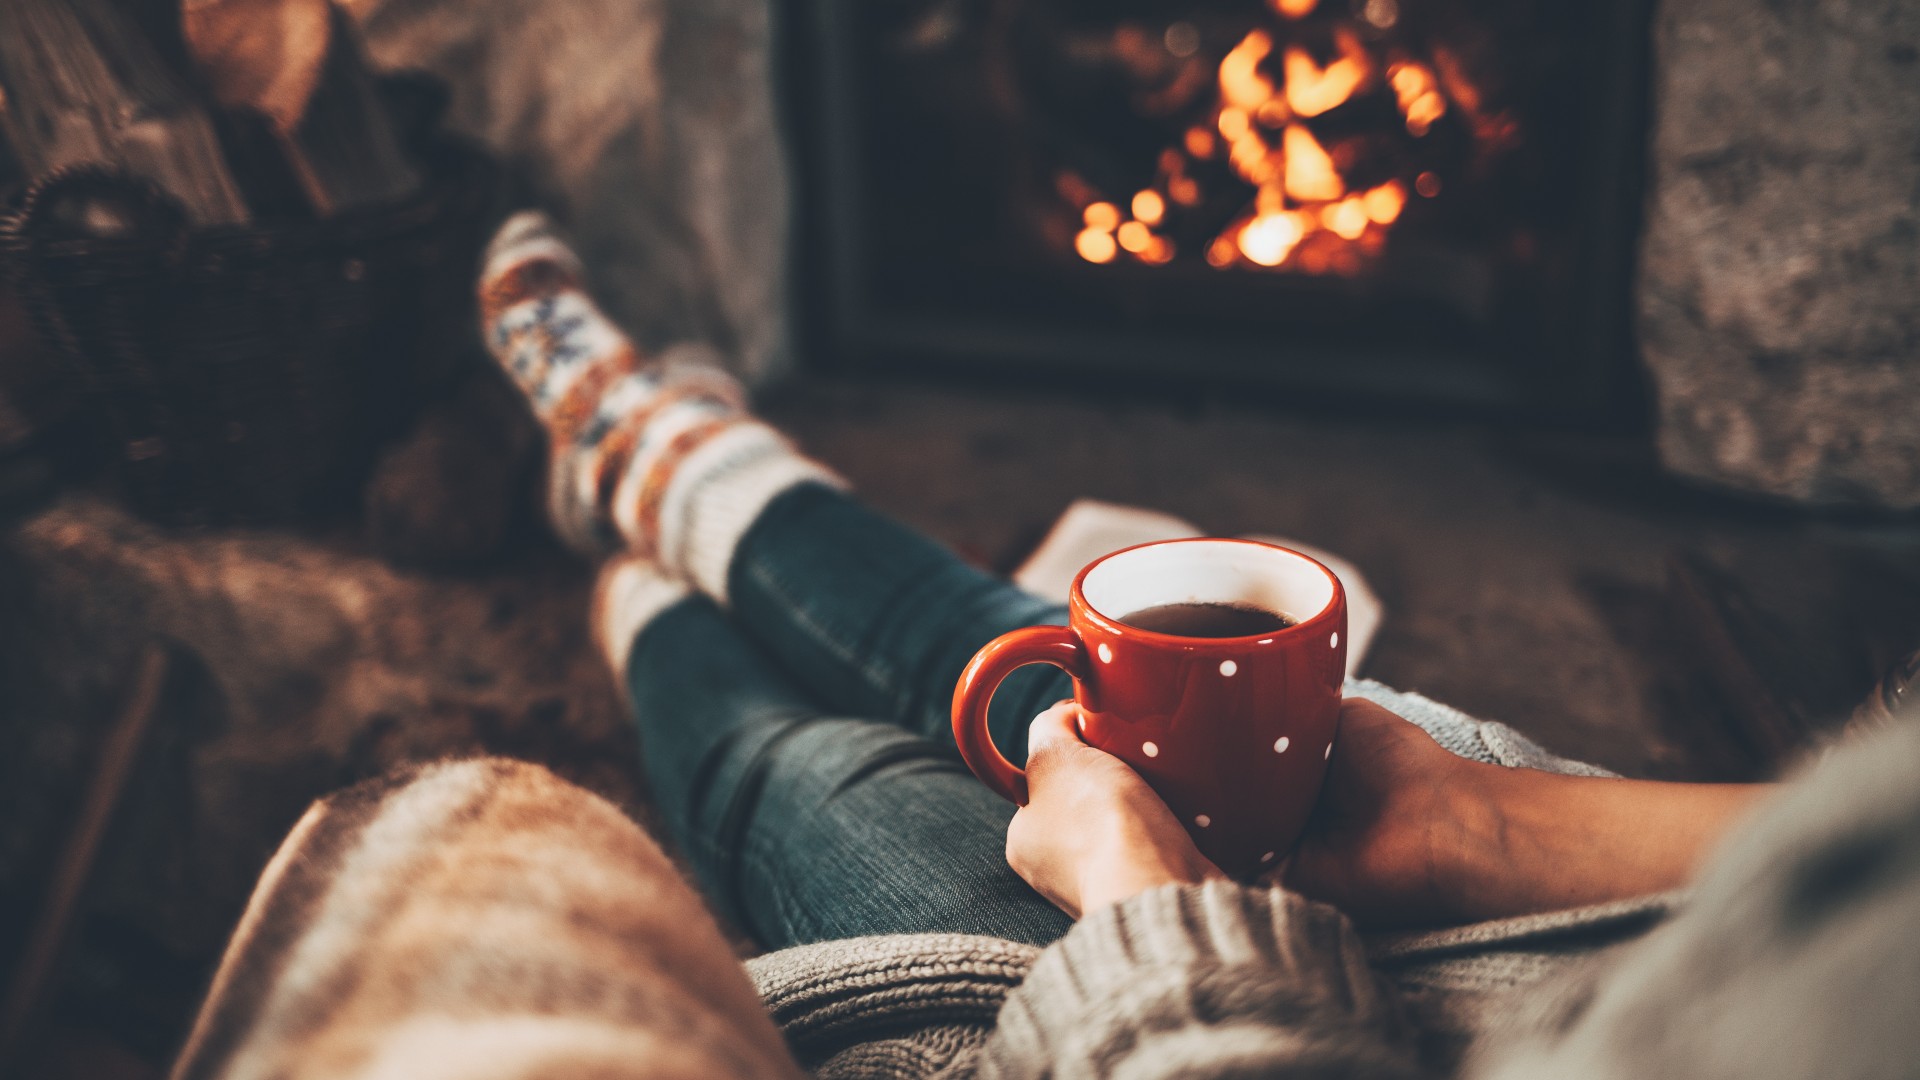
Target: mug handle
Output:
[(1056, 645)]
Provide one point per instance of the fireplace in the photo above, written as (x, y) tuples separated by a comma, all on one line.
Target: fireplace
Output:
[(1428, 200)]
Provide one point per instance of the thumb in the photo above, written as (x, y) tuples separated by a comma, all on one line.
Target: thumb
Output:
[(1055, 728)]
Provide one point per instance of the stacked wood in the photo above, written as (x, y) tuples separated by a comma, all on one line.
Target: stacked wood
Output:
[(297, 65), (269, 111), (81, 84), (250, 258)]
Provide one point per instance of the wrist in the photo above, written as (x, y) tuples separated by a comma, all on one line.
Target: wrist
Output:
[(1101, 888), (1132, 869), (1547, 841), (1489, 818)]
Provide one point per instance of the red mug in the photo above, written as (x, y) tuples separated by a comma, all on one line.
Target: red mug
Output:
[(1233, 732)]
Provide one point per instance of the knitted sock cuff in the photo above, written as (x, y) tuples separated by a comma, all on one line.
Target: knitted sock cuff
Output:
[(526, 235), (720, 491), (629, 595)]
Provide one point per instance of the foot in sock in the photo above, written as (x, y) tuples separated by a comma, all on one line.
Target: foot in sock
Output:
[(657, 454)]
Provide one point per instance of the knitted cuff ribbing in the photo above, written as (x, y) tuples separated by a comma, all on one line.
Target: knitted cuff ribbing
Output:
[(630, 594), (1213, 979), (717, 495)]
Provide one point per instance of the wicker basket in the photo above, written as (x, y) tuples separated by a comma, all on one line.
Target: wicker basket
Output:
[(250, 374)]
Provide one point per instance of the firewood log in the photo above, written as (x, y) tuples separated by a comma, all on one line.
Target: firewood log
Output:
[(82, 84), (264, 55), (299, 64)]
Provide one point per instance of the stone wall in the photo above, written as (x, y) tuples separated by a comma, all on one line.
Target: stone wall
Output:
[(1779, 298)]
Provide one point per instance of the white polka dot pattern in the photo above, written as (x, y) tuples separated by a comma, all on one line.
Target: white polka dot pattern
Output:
[(1332, 643), (1268, 857), (1280, 744), (1228, 668), (1106, 653), (1151, 749), (1203, 821), (1329, 754)]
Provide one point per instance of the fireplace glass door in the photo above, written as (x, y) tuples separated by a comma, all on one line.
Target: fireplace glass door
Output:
[(1415, 199)]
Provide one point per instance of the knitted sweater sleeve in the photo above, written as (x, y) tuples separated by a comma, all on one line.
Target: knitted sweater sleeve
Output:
[(1201, 981)]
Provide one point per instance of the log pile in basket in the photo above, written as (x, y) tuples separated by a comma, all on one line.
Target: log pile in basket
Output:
[(234, 264)]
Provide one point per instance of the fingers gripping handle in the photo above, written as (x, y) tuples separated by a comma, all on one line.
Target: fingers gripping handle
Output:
[(1056, 645)]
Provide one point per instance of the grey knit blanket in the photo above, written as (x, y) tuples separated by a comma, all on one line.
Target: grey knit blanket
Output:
[(920, 1005), (1795, 954)]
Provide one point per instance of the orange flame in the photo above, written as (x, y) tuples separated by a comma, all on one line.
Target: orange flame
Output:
[(1303, 216), (1241, 83), (1419, 95), (1233, 123), (1310, 175), (1270, 238), (1252, 160), (1347, 218), (1312, 90), (1385, 202)]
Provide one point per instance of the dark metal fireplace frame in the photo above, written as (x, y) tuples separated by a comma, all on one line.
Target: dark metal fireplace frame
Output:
[(1577, 366)]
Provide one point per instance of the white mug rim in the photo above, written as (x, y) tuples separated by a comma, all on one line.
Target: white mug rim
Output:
[(1103, 613)]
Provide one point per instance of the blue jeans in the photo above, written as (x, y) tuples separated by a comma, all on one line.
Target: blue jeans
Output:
[(799, 747)]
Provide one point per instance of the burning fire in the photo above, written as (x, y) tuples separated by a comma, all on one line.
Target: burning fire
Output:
[(1307, 211)]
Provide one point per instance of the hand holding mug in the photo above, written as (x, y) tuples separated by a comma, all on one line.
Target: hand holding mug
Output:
[(1092, 832), (1233, 730)]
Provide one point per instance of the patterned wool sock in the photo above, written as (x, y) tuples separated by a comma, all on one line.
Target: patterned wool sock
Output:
[(654, 453)]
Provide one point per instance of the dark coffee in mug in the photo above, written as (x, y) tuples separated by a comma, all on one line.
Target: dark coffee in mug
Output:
[(1208, 620)]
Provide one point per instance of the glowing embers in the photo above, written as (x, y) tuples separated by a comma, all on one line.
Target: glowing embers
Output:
[(1105, 235), (1270, 238), (1418, 94), (1319, 130), (1149, 207), (1096, 243)]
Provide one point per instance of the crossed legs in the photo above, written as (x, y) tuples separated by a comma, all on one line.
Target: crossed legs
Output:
[(798, 746)]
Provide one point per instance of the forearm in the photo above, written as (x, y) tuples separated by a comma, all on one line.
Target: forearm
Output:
[(1533, 841)]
